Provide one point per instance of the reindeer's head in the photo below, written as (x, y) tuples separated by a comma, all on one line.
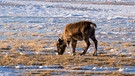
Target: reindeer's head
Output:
[(61, 46)]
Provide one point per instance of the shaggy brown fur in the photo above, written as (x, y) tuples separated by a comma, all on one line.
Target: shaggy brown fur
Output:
[(73, 32)]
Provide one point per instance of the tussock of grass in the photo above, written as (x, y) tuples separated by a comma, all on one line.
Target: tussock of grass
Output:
[(128, 44)]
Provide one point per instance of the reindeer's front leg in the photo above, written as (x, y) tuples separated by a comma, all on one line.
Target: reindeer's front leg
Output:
[(73, 44)]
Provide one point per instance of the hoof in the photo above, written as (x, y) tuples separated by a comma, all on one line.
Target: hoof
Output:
[(95, 55), (73, 54), (82, 54)]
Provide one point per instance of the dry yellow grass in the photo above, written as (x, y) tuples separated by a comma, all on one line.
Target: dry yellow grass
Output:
[(65, 60), (104, 59), (126, 44)]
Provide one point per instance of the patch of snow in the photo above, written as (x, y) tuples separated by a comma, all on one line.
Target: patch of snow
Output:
[(129, 70)]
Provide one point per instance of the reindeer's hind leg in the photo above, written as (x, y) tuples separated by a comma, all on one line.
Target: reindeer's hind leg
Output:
[(88, 44), (95, 42)]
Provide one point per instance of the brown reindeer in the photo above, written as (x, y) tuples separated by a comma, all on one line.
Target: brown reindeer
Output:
[(73, 32)]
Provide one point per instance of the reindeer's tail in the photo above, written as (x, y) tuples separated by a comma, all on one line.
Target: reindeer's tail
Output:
[(93, 25)]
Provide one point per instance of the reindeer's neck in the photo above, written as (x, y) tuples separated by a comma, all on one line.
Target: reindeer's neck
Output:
[(63, 37)]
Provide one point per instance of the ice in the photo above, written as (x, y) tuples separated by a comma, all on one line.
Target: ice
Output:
[(94, 68), (5, 71), (39, 67), (19, 69)]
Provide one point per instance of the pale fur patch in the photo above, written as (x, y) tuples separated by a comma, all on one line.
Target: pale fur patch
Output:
[(93, 26)]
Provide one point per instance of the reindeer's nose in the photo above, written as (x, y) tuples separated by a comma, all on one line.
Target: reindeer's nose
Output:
[(60, 53)]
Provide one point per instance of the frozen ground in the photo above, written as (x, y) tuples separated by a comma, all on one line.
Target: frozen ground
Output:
[(30, 20)]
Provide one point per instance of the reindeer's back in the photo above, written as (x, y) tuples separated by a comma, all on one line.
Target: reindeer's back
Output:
[(78, 26), (77, 30)]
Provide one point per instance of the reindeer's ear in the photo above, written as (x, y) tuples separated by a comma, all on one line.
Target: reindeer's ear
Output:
[(60, 40)]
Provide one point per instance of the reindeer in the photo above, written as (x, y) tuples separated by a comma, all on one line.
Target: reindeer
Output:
[(74, 32)]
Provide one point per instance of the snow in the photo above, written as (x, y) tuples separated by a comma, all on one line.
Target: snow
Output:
[(39, 15), (44, 9)]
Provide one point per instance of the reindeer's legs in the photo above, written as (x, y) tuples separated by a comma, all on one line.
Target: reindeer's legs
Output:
[(95, 42), (88, 44), (73, 44)]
